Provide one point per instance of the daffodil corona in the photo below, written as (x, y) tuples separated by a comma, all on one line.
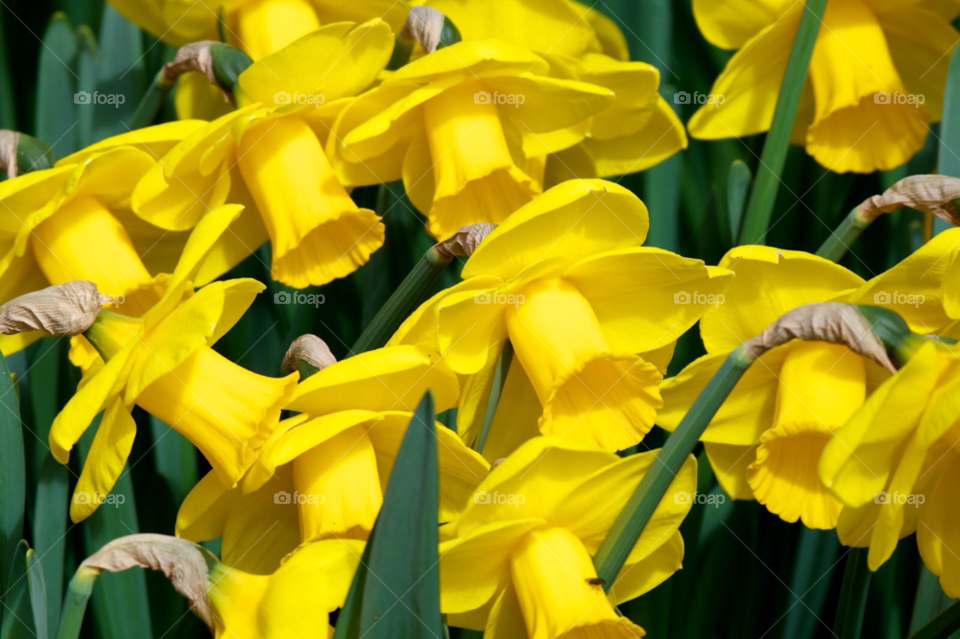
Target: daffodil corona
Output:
[(873, 87)]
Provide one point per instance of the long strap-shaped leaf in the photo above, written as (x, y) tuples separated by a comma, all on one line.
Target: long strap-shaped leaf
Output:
[(396, 589), (12, 470), (941, 626), (760, 208)]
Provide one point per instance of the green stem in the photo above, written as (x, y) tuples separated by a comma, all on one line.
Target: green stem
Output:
[(151, 102), (941, 626), (853, 594), (625, 532), (75, 603), (837, 245), (413, 290), (775, 148), (496, 389)]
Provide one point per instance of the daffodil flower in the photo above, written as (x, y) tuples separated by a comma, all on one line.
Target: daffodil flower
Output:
[(269, 156), (567, 281), (638, 130), (163, 363), (895, 467), (258, 27), (467, 128), (765, 441), (73, 222), (323, 472), (517, 563), (293, 602), (875, 82)]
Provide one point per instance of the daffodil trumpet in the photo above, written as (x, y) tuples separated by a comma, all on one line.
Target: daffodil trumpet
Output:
[(933, 195), (21, 153), (415, 287), (873, 332), (774, 155)]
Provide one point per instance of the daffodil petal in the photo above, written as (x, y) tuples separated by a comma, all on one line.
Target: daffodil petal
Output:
[(105, 460), (769, 282), (204, 512)]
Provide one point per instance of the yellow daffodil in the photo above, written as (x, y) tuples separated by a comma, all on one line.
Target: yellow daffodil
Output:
[(895, 466), (517, 563), (874, 85), (292, 603), (323, 472), (271, 159), (258, 27), (567, 281), (467, 128), (163, 362), (637, 130), (73, 222), (765, 441)]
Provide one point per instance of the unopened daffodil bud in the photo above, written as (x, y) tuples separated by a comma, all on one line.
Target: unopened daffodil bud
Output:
[(307, 354)]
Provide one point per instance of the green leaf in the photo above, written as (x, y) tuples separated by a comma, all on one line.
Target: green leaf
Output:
[(12, 470), (941, 626), (175, 457), (947, 161), (812, 571), (120, 605), (57, 111), (738, 184), (24, 602), (8, 112), (86, 65), (51, 499), (764, 194), (121, 73), (38, 595), (930, 600), (853, 595), (402, 599)]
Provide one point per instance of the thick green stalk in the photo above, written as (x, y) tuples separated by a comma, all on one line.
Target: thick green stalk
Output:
[(837, 245), (625, 532), (853, 595), (412, 291), (760, 208), (151, 102), (75, 603), (941, 626)]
